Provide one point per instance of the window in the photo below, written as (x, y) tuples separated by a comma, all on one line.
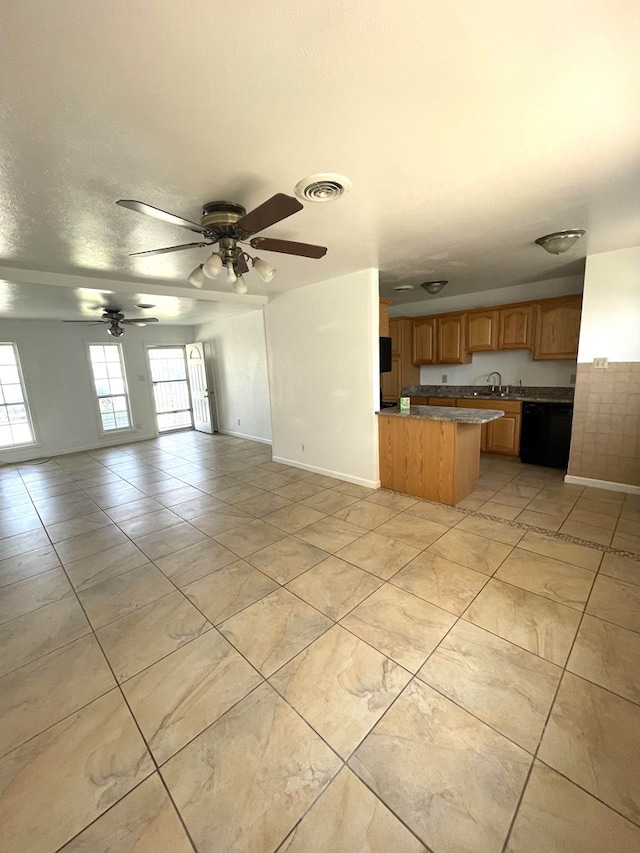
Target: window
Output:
[(170, 388), (15, 420), (110, 385)]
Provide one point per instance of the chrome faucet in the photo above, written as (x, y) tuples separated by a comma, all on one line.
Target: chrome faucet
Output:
[(493, 387)]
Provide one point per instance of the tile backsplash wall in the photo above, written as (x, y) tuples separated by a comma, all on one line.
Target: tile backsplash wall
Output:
[(605, 440)]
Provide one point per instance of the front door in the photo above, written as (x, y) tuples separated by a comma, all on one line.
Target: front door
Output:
[(170, 388), (201, 389)]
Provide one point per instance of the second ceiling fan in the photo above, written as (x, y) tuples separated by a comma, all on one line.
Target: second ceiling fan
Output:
[(230, 226)]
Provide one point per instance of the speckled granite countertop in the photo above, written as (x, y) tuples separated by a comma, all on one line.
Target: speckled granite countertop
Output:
[(533, 394), (445, 413)]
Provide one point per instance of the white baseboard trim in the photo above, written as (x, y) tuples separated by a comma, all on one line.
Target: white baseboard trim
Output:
[(357, 481), (244, 435), (602, 484), (35, 452)]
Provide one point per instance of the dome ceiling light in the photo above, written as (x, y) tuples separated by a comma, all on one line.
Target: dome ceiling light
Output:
[(433, 287), (560, 241)]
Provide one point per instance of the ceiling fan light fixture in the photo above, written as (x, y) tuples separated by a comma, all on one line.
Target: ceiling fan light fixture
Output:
[(212, 266), (115, 329), (231, 275), (264, 269), (433, 287), (560, 241), (239, 285), (197, 278)]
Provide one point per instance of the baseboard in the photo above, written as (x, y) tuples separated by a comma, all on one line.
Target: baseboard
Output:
[(602, 484), (338, 475), (244, 435), (23, 454)]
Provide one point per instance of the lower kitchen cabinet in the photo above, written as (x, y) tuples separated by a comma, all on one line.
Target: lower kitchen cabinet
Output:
[(442, 401), (503, 435)]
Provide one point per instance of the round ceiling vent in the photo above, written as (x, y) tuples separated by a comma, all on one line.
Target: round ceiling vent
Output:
[(326, 186)]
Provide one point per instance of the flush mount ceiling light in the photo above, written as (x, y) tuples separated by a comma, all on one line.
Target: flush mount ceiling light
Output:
[(402, 287), (143, 305), (560, 241), (323, 187), (433, 287)]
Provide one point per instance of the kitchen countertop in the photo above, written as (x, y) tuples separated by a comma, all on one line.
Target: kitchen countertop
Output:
[(528, 394), (445, 413), (526, 398)]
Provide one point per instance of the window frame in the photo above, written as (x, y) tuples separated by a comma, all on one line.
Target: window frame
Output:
[(23, 387), (97, 398), (183, 347)]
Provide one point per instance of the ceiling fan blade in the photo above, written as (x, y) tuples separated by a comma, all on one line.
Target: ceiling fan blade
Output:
[(288, 247), (149, 210), (141, 320), (90, 322), (169, 249), (241, 265), (273, 210)]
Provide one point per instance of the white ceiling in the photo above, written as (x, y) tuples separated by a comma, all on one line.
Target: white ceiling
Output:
[(468, 129)]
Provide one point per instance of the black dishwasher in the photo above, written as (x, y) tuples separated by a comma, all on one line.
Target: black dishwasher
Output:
[(546, 434)]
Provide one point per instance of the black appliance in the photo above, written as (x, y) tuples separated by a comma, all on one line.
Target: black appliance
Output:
[(546, 434), (385, 355)]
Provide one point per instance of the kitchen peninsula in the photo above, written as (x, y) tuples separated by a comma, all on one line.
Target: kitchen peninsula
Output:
[(432, 452)]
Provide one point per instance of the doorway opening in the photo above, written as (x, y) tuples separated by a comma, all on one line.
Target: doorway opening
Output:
[(171, 393)]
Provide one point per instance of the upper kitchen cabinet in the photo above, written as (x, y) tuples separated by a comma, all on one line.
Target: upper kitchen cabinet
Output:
[(557, 328), (482, 331), (440, 340), (403, 370), (384, 317), (424, 340), (515, 327)]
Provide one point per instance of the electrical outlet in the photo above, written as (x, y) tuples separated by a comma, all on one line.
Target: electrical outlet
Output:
[(238, 422), (444, 377), (601, 363)]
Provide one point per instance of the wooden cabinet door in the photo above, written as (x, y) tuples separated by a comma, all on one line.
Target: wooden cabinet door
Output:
[(503, 435), (384, 317), (391, 382), (516, 327), (424, 340), (395, 333), (451, 347), (441, 401), (482, 331), (557, 329)]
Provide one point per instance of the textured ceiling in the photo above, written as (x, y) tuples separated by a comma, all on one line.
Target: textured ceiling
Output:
[(468, 129)]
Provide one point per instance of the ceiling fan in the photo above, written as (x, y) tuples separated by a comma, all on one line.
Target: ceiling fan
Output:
[(228, 224), (115, 320)]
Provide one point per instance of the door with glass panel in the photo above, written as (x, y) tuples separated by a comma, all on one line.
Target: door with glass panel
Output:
[(170, 388), (202, 396)]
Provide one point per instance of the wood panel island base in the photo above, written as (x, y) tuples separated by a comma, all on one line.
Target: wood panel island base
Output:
[(432, 452)]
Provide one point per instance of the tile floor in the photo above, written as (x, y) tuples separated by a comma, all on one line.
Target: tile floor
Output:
[(201, 649)]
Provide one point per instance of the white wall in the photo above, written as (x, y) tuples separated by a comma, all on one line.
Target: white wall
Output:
[(513, 365), (610, 326), (322, 350), (239, 361), (59, 386)]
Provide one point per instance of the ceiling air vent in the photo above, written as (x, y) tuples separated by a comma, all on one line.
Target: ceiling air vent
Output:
[(323, 187)]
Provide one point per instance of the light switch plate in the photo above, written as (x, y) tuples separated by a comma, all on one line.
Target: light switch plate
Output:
[(601, 363)]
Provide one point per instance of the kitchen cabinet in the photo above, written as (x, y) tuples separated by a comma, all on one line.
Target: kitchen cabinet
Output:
[(419, 401), (515, 327), (403, 370), (392, 382), (440, 340), (501, 436), (442, 401), (482, 331), (384, 317), (424, 340), (557, 328)]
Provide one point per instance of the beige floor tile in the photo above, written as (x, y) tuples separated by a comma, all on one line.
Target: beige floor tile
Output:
[(616, 601), (622, 568), (142, 525), (165, 542), (545, 576), (468, 549), (42, 693), (354, 490), (609, 656), (30, 594), (324, 481), (178, 697), (195, 562), (365, 514), (229, 590), (491, 530), (626, 542), (400, 625), (530, 621), (592, 738), (145, 821), (412, 530), (245, 782), (40, 632), (22, 543), (603, 495), (378, 554), (393, 500), (330, 534), (567, 552), (293, 518), (471, 504), (286, 559), (141, 638), (104, 602), (78, 526), (439, 513), (329, 501), (263, 504), (349, 817), (238, 493), (629, 525), (587, 532), (606, 507), (548, 507), (27, 565), (595, 519), (197, 507), (143, 506), (334, 587), (274, 629), (509, 499), (540, 519), (299, 490), (341, 686), (250, 537), (502, 684), (24, 522), (106, 565), (453, 780), (85, 771), (214, 523), (441, 582), (558, 817), (88, 544), (493, 507)]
